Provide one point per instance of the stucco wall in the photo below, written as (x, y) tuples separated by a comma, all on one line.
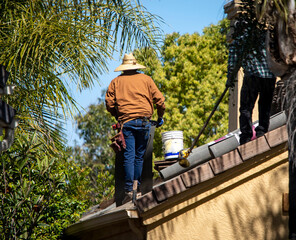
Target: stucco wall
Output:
[(244, 204)]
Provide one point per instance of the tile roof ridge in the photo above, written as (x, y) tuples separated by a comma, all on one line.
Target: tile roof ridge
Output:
[(277, 137), (216, 148)]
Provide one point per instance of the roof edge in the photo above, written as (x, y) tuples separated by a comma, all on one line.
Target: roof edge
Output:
[(98, 220)]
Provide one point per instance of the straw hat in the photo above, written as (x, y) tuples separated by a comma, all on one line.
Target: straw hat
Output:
[(129, 63)]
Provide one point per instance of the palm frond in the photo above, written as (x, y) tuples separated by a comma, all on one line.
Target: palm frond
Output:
[(49, 45)]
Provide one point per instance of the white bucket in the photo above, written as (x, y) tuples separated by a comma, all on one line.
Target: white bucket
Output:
[(172, 143)]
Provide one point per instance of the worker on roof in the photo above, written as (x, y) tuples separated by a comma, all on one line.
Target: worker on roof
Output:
[(130, 98), (257, 79)]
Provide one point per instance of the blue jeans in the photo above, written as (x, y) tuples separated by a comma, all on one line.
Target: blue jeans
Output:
[(136, 134)]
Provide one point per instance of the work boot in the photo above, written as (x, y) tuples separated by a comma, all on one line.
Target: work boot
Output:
[(244, 140), (139, 194), (128, 197), (259, 134)]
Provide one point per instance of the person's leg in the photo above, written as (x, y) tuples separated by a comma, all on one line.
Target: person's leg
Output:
[(129, 155), (267, 86), (248, 98), (142, 138)]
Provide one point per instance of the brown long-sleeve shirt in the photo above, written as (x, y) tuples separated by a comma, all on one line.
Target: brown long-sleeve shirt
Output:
[(132, 95)]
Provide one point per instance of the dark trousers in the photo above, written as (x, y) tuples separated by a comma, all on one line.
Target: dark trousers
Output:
[(252, 87), (136, 134)]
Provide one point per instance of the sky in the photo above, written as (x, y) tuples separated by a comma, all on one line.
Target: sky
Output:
[(186, 16)]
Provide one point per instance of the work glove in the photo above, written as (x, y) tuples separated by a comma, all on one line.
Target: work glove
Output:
[(159, 122)]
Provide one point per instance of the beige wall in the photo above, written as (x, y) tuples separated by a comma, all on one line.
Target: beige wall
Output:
[(244, 204)]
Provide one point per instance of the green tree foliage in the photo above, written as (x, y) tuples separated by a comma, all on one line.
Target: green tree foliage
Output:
[(50, 45), (95, 129), (40, 193), (191, 73), (246, 22)]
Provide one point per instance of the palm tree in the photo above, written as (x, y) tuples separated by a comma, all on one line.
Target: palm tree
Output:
[(278, 17), (281, 16), (50, 45)]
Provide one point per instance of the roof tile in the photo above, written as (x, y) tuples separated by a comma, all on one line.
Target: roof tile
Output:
[(146, 202), (277, 136), (253, 148), (169, 189), (197, 175), (224, 146), (225, 162)]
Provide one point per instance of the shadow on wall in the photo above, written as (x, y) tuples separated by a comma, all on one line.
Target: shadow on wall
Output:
[(267, 220), (249, 208)]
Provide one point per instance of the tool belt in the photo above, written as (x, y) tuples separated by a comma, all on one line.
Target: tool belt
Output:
[(118, 141)]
